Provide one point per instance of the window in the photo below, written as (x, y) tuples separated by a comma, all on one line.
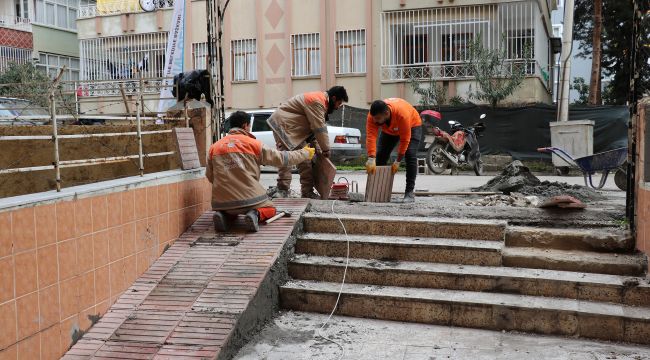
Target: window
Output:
[(259, 122), (455, 46), (244, 60), (10, 55), (305, 55), (51, 64), (200, 55), (123, 57), (22, 10), (57, 13), (351, 52)]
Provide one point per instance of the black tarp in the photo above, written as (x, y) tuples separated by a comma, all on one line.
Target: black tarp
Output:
[(518, 131)]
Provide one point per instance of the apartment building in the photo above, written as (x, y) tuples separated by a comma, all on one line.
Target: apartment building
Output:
[(42, 31), (278, 48)]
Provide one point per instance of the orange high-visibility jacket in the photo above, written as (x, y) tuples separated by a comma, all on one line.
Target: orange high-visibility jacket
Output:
[(300, 117), (233, 168), (403, 117)]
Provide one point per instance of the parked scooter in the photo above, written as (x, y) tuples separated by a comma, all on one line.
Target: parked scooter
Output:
[(447, 151)]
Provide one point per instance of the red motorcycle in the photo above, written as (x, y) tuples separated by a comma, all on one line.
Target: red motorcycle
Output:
[(452, 151)]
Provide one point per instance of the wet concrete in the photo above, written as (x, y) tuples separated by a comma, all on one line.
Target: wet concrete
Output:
[(293, 335), (607, 212)]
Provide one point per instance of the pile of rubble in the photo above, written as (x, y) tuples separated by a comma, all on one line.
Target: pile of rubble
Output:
[(512, 200), (517, 178)]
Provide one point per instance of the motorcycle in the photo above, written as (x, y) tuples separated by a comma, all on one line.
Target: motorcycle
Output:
[(447, 151)]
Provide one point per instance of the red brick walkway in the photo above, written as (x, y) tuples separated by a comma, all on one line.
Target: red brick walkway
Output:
[(187, 304)]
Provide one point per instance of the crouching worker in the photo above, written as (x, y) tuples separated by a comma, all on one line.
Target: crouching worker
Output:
[(233, 168)]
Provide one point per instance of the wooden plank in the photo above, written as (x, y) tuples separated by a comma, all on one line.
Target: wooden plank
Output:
[(380, 185), (324, 173), (186, 148)]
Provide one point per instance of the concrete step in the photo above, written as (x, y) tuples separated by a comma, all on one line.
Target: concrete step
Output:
[(473, 309), (406, 226), (580, 261), (533, 282), (569, 239), (452, 251)]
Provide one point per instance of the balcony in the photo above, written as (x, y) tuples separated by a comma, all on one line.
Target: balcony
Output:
[(15, 23), (116, 7)]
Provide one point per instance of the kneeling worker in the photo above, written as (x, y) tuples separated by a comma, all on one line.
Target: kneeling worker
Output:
[(233, 168), (399, 123)]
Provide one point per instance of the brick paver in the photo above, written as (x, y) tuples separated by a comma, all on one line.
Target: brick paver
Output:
[(188, 302)]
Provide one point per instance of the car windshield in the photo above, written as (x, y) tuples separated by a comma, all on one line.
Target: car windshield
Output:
[(17, 107)]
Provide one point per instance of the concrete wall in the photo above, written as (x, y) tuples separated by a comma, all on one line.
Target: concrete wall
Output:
[(643, 181), (55, 41), (65, 258)]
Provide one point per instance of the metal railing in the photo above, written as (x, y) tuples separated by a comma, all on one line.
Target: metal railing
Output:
[(449, 70), (15, 23), (10, 55), (57, 103), (115, 7)]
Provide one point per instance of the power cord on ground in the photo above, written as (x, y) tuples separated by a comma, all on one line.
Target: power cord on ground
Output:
[(338, 297)]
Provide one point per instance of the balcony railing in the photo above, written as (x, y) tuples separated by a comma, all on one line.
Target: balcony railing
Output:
[(15, 23), (457, 71), (113, 7)]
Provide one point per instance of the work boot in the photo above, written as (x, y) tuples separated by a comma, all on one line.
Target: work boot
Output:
[(252, 220), (281, 194), (310, 195), (220, 222), (409, 197)]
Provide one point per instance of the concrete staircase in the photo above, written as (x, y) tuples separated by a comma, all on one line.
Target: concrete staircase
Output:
[(469, 273)]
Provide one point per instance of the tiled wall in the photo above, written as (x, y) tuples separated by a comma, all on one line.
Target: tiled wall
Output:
[(64, 263), (16, 38)]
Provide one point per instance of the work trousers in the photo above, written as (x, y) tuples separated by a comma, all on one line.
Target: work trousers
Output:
[(386, 145), (304, 168)]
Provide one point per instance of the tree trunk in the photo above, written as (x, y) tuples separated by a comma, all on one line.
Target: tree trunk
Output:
[(595, 81)]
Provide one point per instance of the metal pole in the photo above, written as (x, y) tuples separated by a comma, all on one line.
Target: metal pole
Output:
[(565, 79), (55, 132), (55, 138), (139, 126)]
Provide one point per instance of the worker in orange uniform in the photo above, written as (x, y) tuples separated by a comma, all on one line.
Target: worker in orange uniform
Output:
[(233, 168), (399, 123), (301, 120)]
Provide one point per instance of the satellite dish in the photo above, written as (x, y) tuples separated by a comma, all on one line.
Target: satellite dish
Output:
[(148, 5)]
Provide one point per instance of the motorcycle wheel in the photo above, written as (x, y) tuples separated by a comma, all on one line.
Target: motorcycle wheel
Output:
[(478, 167), (436, 162)]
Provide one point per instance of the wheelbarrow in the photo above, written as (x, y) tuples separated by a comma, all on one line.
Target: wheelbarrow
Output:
[(604, 162)]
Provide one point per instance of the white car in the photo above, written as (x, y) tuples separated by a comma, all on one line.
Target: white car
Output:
[(344, 142)]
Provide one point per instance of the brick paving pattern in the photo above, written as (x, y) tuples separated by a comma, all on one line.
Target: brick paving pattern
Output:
[(188, 302)]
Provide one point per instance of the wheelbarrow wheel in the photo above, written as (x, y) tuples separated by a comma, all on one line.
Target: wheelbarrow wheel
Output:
[(620, 179)]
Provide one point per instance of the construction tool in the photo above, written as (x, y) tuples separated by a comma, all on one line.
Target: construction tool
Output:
[(279, 215)]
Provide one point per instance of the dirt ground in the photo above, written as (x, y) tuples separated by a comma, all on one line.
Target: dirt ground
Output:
[(26, 153)]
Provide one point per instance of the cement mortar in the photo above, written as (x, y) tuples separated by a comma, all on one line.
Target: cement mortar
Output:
[(517, 178)]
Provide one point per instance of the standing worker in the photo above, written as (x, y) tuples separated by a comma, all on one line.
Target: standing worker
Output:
[(399, 123), (233, 168), (299, 121)]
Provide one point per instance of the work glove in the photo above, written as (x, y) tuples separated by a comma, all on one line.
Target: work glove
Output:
[(311, 151), (371, 165), (395, 167)]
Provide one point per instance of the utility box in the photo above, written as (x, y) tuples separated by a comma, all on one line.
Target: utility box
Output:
[(574, 137)]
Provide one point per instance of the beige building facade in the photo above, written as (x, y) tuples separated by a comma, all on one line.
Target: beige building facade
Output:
[(274, 49)]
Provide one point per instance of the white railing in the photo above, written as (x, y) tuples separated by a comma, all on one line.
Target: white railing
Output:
[(16, 23), (113, 7), (455, 71), (10, 55), (119, 87)]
